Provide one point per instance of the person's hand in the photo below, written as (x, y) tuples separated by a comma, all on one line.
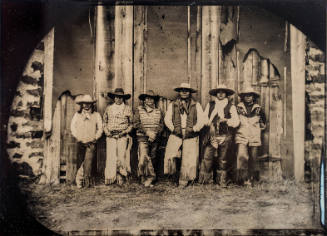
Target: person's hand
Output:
[(222, 120), (151, 135)]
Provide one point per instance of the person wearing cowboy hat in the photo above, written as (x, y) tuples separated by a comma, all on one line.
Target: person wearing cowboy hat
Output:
[(222, 119), (148, 122), (117, 120), (86, 127), (248, 136), (184, 118)]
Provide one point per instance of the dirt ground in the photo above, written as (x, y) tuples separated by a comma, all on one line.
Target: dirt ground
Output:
[(283, 205)]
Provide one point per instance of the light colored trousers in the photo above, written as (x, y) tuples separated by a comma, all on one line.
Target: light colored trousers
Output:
[(118, 158), (188, 150)]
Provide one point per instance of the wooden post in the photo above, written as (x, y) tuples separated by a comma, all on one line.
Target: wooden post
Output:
[(51, 165), (198, 50), (48, 80), (47, 106), (103, 70), (210, 40), (139, 50), (298, 43), (124, 48), (189, 44)]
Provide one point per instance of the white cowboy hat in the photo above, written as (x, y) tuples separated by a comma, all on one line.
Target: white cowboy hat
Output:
[(86, 98), (222, 87), (185, 86), (249, 91)]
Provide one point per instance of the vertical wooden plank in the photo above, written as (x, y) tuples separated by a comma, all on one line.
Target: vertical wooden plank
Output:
[(69, 143), (53, 148), (215, 45), (198, 49), (276, 121), (139, 67), (189, 44), (124, 48), (48, 80), (104, 75), (210, 40), (298, 42)]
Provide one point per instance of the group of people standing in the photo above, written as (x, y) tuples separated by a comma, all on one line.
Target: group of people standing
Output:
[(219, 125)]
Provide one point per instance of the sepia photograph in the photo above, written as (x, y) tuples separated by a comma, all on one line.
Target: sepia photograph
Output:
[(163, 118)]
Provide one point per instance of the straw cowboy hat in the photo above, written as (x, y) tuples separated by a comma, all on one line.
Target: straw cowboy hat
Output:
[(119, 92), (213, 92), (185, 86), (84, 99), (150, 94), (249, 91)]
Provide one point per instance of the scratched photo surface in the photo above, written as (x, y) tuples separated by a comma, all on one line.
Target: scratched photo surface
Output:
[(158, 47)]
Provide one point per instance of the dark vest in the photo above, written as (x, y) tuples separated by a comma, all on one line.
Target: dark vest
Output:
[(191, 117), (223, 127)]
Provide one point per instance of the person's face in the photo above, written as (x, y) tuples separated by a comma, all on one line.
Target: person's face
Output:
[(86, 106), (184, 93), (248, 98), (221, 95), (118, 100), (149, 101)]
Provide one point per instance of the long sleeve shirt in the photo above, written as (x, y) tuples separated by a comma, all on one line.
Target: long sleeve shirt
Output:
[(86, 127), (197, 127), (220, 105), (117, 118)]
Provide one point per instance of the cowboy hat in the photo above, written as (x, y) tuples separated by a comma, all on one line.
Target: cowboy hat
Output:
[(213, 92), (84, 99), (150, 94), (249, 91), (119, 92), (185, 86)]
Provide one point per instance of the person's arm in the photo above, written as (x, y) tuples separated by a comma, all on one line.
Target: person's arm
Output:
[(168, 118), (73, 127), (201, 119), (206, 115), (137, 121), (262, 121), (105, 122), (99, 126), (234, 121), (161, 123), (129, 114)]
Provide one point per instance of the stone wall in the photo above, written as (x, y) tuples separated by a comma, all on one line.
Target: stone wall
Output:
[(315, 102), (25, 125)]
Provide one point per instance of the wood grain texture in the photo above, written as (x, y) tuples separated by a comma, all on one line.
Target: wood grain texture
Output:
[(48, 80)]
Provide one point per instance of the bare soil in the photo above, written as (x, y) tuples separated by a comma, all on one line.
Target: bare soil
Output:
[(282, 205)]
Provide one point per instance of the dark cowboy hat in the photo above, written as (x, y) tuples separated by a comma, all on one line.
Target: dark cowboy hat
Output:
[(119, 92), (150, 94), (213, 92), (185, 86), (84, 99), (249, 91)]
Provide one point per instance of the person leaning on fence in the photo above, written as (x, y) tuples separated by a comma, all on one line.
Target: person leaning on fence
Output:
[(148, 122), (248, 136), (184, 118), (222, 119), (117, 120), (86, 127)]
